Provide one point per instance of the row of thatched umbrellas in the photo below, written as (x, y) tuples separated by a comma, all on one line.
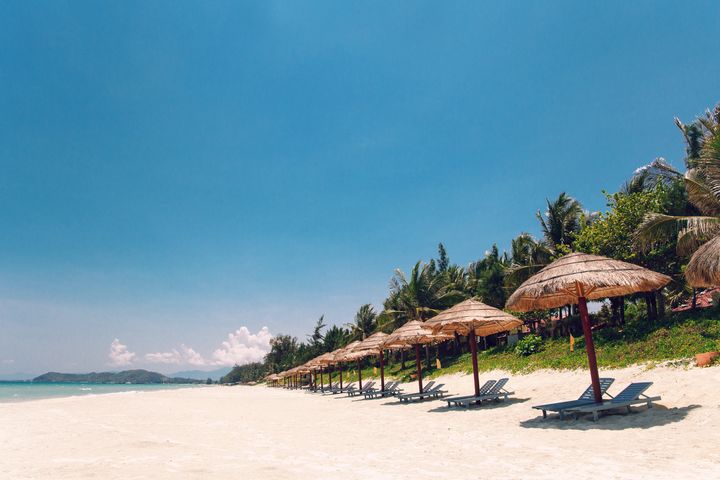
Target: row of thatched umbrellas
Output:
[(572, 279)]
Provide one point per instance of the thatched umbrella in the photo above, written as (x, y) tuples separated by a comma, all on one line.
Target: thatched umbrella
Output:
[(473, 318), (320, 362), (414, 333), (577, 278), (341, 355), (370, 346), (703, 270)]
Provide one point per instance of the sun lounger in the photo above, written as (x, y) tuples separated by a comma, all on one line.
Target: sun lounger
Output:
[(428, 393), (468, 399), (391, 389), (494, 392), (587, 398), (634, 394), (332, 388), (360, 391)]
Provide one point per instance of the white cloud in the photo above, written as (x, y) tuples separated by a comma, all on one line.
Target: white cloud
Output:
[(183, 355), (241, 347), (119, 354)]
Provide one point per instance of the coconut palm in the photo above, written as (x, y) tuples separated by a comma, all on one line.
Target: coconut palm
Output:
[(702, 183), (561, 221), (528, 256), (418, 297), (364, 324)]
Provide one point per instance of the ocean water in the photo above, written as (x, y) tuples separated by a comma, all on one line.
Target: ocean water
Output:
[(22, 391)]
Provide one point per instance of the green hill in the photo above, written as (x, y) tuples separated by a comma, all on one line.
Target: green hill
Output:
[(127, 376)]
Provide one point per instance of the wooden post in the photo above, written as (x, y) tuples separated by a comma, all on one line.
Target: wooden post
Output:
[(359, 374), (382, 371), (473, 353), (419, 367), (341, 385), (590, 348)]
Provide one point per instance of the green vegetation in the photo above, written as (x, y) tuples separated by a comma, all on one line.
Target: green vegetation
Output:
[(127, 376), (677, 337), (657, 220)]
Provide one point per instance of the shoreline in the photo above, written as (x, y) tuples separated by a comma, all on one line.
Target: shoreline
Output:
[(273, 433)]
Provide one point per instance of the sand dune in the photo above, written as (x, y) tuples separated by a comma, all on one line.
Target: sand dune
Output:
[(258, 432)]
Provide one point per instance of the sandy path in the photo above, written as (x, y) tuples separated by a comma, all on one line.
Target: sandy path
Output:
[(257, 432)]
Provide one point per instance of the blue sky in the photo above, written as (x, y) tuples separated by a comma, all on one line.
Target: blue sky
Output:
[(175, 171)]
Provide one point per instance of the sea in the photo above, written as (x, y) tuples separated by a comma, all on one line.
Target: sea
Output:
[(23, 391)]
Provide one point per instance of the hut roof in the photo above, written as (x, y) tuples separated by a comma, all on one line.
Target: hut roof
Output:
[(703, 270), (370, 346), (580, 274), (412, 333), (473, 315)]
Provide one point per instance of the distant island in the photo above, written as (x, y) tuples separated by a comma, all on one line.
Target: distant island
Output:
[(127, 376)]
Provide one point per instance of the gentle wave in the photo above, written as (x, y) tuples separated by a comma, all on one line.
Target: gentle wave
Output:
[(23, 391)]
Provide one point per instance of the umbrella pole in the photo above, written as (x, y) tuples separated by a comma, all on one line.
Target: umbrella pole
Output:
[(340, 365), (590, 348), (472, 339), (322, 383), (359, 374), (382, 371), (419, 367), (329, 378)]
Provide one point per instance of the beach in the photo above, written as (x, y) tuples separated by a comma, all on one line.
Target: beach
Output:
[(260, 432)]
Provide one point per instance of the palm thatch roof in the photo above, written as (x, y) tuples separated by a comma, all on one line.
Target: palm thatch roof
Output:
[(341, 355), (413, 333), (579, 274), (370, 346), (703, 270), (322, 360), (473, 315)]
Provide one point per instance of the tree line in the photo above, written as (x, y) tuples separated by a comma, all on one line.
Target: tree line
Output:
[(657, 219)]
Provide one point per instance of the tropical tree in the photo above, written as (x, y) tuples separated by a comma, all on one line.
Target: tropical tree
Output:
[(561, 221), (335, 337), (417, 297), (702, 183), (486, 278), (282, 355), (316, 338), (365, 323), (527, 257)]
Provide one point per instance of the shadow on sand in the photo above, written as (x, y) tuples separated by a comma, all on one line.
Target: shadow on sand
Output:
[(484, 406), (640, 417)]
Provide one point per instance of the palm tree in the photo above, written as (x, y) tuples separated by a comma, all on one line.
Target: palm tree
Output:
[(364, 324), (702, 183), (561, 221), (419, 297), (336, 337), (528, 256)]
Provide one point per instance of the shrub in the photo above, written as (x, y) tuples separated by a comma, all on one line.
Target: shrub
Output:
[(528, 345)]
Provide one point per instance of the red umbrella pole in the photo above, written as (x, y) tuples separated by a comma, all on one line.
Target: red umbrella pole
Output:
[(473, 353), (322, 383), (419, 367), (359, 374), (340, 364), (382, 371), (590, 348)]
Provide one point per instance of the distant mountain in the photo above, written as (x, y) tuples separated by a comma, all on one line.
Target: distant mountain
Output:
[(202, 374), (127, 376)]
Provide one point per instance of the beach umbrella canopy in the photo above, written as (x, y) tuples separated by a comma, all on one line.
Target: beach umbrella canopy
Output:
[(473, 318), (414, 333), (577, 278), (703, 270), (372, 345)]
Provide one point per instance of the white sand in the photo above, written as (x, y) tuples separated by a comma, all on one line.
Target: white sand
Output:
[(258, 432)]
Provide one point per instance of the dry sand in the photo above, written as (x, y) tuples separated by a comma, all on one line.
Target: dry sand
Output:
[(259, 432)]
